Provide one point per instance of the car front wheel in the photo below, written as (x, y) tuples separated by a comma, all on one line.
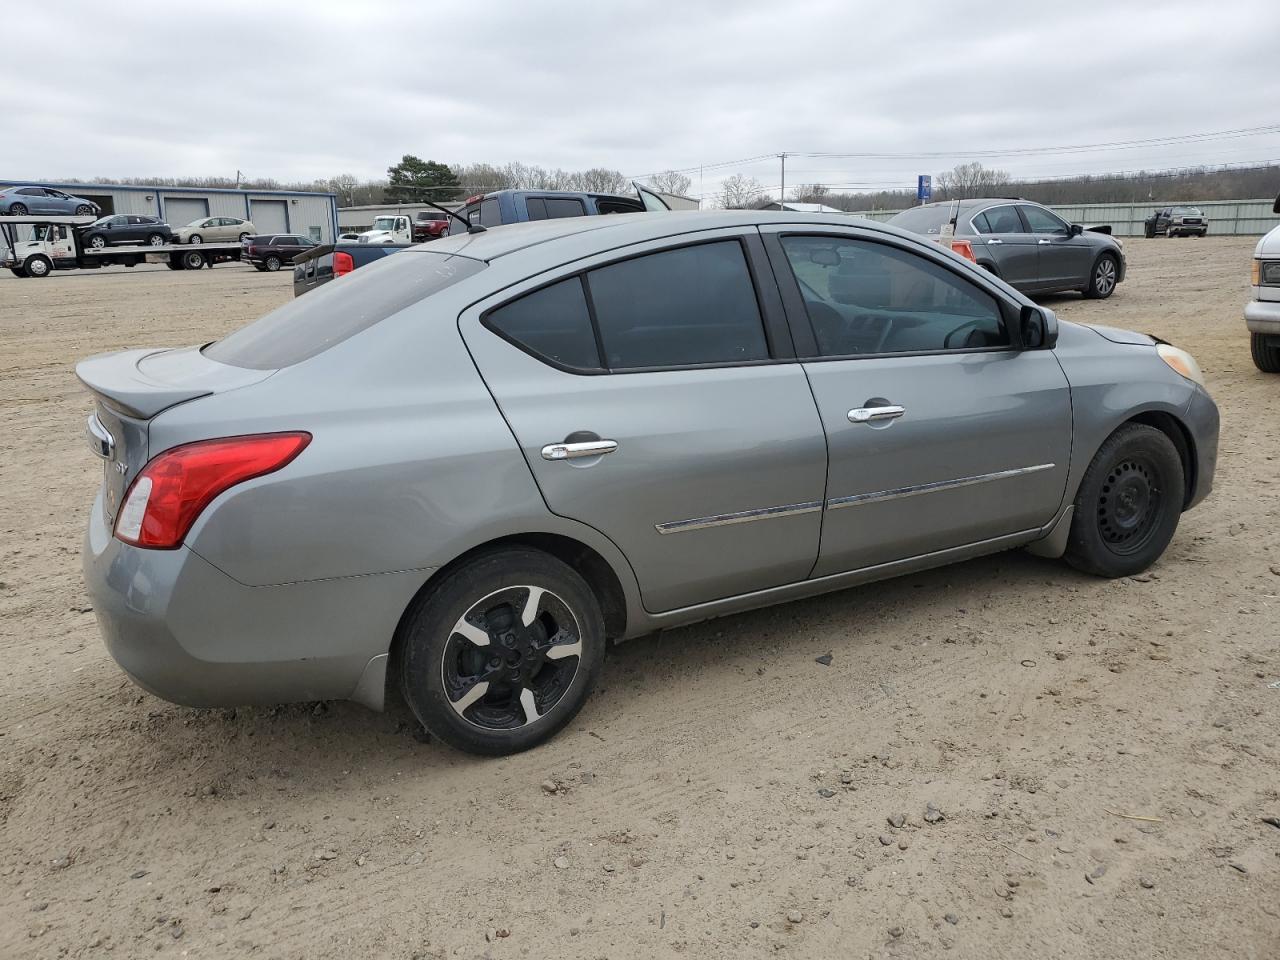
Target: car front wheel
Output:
[(38, 266), (97, 241), (1266, 352), (155, 240), (84, 210), (195, 238), (1103, 278), (1128, 504), (502, 654)]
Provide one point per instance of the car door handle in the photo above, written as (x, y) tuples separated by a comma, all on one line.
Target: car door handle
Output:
[(573, 451), (870, 414), (1042, 242), (995, 240)]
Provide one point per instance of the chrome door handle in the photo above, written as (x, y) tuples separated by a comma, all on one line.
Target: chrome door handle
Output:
[(868, 414), (100, 440), (573, 451), (995, 240), (1043, 242)]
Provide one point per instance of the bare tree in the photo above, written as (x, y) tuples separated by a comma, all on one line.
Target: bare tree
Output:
[(601, 180), (811, 193), (671, 182), (739, 192), (971, 180), (344, 185)]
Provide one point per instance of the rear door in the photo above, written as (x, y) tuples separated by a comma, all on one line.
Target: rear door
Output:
[(1013, 247), (1065, 260), (655, 398), (941, 432)]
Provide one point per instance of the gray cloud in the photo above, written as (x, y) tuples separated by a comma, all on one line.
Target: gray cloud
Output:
[(308, 90)]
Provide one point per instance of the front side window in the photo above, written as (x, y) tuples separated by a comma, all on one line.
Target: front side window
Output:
[(865, 298), (553, 324), (692, 305), (1040, 220)]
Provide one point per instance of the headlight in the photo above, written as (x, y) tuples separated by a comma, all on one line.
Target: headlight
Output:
[(1181, 361)]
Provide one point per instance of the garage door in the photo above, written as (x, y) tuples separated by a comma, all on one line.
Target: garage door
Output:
[(179, 211), (269, 216)]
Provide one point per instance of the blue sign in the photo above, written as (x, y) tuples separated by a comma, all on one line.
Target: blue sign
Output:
[(924, 187)]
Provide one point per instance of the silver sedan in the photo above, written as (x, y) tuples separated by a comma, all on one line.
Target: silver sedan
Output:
[(461, 471)]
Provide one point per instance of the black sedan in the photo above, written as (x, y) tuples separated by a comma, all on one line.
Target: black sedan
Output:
[(127, 228), (1025, 244)]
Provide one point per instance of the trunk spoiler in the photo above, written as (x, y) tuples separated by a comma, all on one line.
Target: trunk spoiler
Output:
[(142, 383)]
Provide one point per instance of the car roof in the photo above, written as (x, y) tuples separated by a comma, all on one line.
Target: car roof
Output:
[(616, 230)]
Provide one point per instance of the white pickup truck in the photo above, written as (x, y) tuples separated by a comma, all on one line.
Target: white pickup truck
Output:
[(1262, 313), (388, 229)]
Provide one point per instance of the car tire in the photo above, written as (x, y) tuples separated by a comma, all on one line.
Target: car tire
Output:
[(192, 260), (173, 264), (38, 266), (97, 241), (1104, 275), (155, 240), (260, 268), (1148, 231), (84, 210), (272, 264), (18, 272), (1266, 352), (195, 238), (441, 668), (17, 210), (1128, 504)]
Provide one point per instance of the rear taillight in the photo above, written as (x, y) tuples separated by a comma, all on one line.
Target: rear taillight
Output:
[(253, 248), (964, 248), (172, 490), (342, 264)]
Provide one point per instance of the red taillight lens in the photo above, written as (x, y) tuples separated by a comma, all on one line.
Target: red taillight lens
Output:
[(342, 264), (964, 248), (172, 490)]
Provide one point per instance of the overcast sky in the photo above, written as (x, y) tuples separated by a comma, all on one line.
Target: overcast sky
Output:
[(305, 90)]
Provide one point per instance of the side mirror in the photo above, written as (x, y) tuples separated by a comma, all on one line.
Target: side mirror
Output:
[(1075, 230), (1039, 328)]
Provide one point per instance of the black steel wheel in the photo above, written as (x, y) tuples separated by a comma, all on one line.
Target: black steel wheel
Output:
[(503, 652), (1129, 503)]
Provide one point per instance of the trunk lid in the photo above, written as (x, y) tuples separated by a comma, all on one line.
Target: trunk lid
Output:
[(133, 386)]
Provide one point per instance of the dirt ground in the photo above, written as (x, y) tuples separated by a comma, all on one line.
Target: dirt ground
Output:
[(1102, 752)]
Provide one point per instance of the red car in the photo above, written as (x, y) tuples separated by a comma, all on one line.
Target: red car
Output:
[(429, 225)]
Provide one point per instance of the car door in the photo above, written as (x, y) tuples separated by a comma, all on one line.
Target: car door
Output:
[(941, 432), (1012, 246), (655, 397), (58, 202), (1065, 258), (38, 200)]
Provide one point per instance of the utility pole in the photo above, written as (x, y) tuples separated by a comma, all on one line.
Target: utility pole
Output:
[(238, 176), (782, 191)]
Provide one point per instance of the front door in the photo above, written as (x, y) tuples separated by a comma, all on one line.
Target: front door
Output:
[(1014, 248), (941, 433), (654, 396), (1065, 259)]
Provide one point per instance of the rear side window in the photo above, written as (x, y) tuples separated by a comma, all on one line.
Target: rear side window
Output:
[(305, 327), (537, 208), (692, 305), (564, 207), (490, 213), (553, 324)]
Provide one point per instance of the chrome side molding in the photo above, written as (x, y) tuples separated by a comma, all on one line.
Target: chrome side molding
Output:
[(897, 493), (742, 516)]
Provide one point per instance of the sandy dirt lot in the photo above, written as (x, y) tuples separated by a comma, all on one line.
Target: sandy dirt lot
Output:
[(1103, 753)]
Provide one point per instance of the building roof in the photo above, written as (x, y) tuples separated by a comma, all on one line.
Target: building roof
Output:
[(74, 188)]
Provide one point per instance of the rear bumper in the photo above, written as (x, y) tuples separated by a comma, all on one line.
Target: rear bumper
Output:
[(188, 633), (1262, 316), (1203, 422)]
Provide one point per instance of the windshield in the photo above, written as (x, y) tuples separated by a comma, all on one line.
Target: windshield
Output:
[(927, 220), (198, 223), (384, 223), (1191, 211), (431, 216)]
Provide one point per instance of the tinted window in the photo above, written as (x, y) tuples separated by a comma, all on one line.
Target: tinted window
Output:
[(678, 307), (1004, 220), (871, 298), (537, 208), (31, 192), (490, 213), (307, 326), (564, 207), (1040, 220), (552, 323), (980, 223), (619, 206), (928, 220)]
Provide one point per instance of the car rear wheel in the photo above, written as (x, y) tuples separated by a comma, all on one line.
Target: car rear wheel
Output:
[(502, 654), (155, 240), (192, 260), (1128, 505), (195, 238), (18, 271), (1103, 278), (17, 209), (272, 264), (97, 241), (38, 266), (1266, 352)]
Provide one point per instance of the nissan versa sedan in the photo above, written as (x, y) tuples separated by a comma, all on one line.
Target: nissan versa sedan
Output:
[(1025, 244), (464, 469)]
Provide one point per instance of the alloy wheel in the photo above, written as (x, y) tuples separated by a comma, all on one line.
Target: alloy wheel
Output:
[(98, 242), (1105, 276), (511, 657)]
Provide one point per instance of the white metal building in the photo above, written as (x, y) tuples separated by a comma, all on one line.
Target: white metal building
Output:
[(312, 215)]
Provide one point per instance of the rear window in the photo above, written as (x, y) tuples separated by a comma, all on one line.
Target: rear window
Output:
[(305, 327), (926, 220)]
